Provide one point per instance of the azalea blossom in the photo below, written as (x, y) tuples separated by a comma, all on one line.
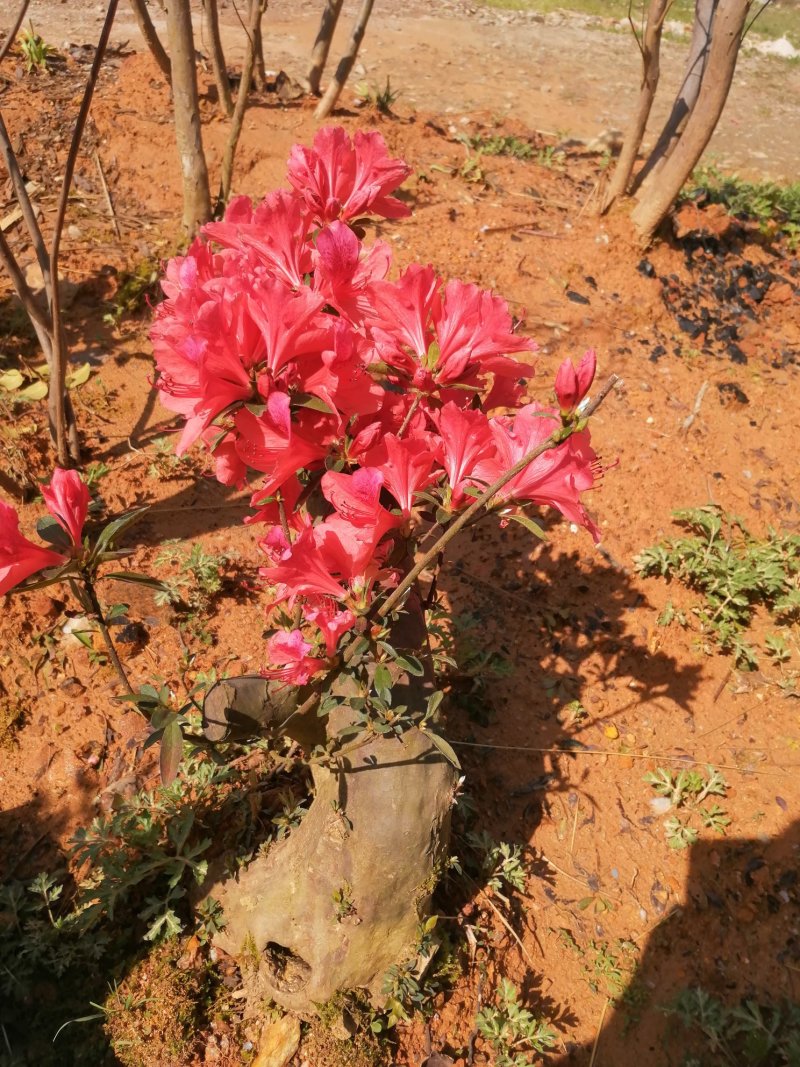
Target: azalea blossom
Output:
[(466, 438), (290, 651), (340, 178), (67, 499), (407, 466), (19, 557), (331, 622), (557, 477), (572, 385)]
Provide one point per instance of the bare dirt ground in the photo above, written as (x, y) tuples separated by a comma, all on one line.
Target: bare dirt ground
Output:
[(563, 74), (601, 881)]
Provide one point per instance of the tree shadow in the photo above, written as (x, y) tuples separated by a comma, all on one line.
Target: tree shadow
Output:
[(736, 938), (562, 621)]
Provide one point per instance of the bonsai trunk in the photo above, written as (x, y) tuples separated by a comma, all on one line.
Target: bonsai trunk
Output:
[(339, 901)]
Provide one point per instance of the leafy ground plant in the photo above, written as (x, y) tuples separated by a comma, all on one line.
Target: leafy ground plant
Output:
[(513, 1032), (35, 51), (687, 789), (736, 572), (745, 1035), (775, 207)]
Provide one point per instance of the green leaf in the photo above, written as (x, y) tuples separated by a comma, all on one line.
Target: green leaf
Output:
[(171, 751), (528, 523), (116, 528), (445, 748), (411, 665), (382, 680), (78, 377), (434, 700), (137, 579), (35, 391), (11, 380), (51, 530)]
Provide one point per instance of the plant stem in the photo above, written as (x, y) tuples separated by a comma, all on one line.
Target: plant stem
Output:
[(97, 611)]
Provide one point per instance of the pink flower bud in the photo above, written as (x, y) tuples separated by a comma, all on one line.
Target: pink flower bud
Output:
[(573, 385)]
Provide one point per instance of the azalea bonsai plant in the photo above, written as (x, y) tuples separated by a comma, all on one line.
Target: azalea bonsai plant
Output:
[(374, 419)]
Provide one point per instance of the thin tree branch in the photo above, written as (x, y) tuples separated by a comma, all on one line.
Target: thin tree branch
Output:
[(151, 38), (12, 33), (59, 409), (218, 57), (322, 44), (254, 17), (36, 314), (337, 83), (25, 205), (555, 439), (88, 597)]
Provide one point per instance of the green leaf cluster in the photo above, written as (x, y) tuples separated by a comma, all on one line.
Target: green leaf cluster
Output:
[(736, 573)]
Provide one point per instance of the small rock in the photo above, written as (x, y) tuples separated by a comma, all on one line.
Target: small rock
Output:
[(279, 1042)]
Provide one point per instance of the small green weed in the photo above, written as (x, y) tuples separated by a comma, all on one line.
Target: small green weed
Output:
[(498, 145), (610, 968), (501, 864), (381, 99), (747, 1035), (773, 206), (164, 463), (138, 289), (409, 986), (34, 51), (513, 1032), (687, 789), (149, 849), (736, 573), (199, 578), (464, 662)]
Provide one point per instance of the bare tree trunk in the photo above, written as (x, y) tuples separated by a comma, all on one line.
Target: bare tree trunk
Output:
[(218, 57), (196, 196), (723, 52), (255, 14), (148, 31), (322, 45), (332, 93), (259, 70), (651, 70), (687, 94)]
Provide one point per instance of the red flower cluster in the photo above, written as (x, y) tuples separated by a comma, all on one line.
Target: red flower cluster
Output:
[(364, 404), (67, 500)]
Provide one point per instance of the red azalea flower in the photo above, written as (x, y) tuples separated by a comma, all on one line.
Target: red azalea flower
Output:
[(466, 439), (290, 649), (343, 270), (557, 477), (332, 622), (407, 465), (67, 499), (271, 444), (356, 498), (19, 557), (340, 178), (572, 385)]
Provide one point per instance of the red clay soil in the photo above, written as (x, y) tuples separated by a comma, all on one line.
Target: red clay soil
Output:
[(576, 623)]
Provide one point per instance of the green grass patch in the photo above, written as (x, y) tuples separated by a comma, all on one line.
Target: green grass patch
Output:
[(774, 20)]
